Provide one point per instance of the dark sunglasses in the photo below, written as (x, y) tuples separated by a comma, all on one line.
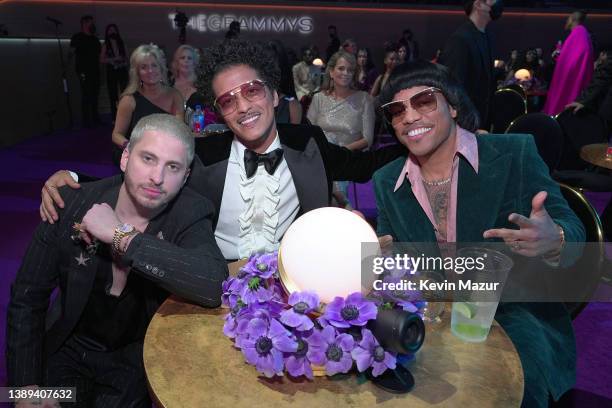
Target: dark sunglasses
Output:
[(251, 91), (422, 102)]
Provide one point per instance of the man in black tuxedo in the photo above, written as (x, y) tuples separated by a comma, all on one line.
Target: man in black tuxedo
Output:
[(468, 54), (259, 176), (114, 264)]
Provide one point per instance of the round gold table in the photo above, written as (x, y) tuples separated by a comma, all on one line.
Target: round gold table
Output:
[(190, 363), (596, 154)]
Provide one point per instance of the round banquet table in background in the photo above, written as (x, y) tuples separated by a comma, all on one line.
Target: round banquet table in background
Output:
[(190, 363), (596, 154)]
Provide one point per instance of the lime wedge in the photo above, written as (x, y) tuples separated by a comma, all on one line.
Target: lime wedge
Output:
[(466, 309), (470, 332)]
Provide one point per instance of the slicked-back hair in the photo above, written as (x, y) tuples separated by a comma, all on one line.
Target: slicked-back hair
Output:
[(169, 124), (424, 73), (233, 53)]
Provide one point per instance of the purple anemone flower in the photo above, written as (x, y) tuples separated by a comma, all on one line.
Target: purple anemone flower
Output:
[(355, 310), (298, 363), (369, 353), (263, 344), (262, 265), (231, 288), (256, 290), (408, 306), (327, 347), (232, 319), (301, 304)]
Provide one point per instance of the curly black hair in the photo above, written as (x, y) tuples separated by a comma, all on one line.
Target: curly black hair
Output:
[(233, 52)]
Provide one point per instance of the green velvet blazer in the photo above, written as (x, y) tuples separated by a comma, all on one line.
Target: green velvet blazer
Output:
[(510, 173)]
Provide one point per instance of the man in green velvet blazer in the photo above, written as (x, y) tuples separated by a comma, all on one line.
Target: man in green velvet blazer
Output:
[(455, 186)]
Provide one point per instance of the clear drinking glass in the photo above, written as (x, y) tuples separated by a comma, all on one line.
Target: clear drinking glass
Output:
[(471, 319)]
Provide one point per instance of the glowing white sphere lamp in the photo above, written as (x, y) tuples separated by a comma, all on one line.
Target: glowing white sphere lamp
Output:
[(522, 75), (321, 252)]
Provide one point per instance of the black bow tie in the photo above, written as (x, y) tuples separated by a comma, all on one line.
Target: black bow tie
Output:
[(270, 161)]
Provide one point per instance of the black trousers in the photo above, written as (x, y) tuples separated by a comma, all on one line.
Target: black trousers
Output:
[(90, 89), (102, 379), (116, 81)]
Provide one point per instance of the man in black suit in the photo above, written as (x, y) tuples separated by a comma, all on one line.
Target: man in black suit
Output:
[(259, 176), (469, 56), (114, 264)]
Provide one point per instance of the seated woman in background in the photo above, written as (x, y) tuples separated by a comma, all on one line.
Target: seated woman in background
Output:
[(184, 63), (147, 92), (345, 114), (389, 62), (365, 73), (402, 53), (114, 56)]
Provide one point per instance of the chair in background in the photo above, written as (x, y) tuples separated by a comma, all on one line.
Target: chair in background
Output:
[(594, 234), (579, 129), (517, 88), (546, 132), (508, 104)]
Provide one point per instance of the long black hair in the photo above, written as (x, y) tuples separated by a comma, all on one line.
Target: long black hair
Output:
[(109, 48)]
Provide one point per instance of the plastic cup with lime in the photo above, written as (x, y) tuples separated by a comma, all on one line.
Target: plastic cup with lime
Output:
[(471, 319)]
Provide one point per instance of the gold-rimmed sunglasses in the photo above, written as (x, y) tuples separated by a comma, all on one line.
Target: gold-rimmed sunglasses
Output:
[(251, 91), (423, 102)]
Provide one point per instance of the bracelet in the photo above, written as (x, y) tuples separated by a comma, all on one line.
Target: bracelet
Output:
[(555, 256)]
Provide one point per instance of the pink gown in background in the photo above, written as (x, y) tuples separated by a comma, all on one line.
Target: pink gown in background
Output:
[(573, 71)]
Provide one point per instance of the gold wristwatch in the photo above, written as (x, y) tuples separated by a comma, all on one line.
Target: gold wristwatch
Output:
[(121, 231)]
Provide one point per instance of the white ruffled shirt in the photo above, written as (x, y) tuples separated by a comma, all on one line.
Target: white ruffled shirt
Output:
[(255, 212)]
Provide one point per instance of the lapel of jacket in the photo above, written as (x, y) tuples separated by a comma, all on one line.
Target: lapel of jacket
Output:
[(480, 195), (83, 272), (81, 278), (412, 225), (81, 268), (209, 175), (307, 169)]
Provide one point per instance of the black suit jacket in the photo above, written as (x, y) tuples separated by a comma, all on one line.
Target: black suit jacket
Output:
[(472, 66), (186, 261), (314, 164), (598, 95)]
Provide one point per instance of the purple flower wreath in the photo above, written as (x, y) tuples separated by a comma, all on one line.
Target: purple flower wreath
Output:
[(279, 334)]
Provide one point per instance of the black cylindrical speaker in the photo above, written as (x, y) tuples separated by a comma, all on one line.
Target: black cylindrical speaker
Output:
[(398, 330)]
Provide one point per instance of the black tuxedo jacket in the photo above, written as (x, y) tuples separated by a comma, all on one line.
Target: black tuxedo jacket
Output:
[(314, 164), (177, 252)]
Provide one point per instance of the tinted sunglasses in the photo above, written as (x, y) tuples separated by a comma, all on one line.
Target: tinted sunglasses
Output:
[(422, 102), (251, 91)]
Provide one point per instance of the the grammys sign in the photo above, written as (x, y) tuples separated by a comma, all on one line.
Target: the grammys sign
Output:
[(217, 22)]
